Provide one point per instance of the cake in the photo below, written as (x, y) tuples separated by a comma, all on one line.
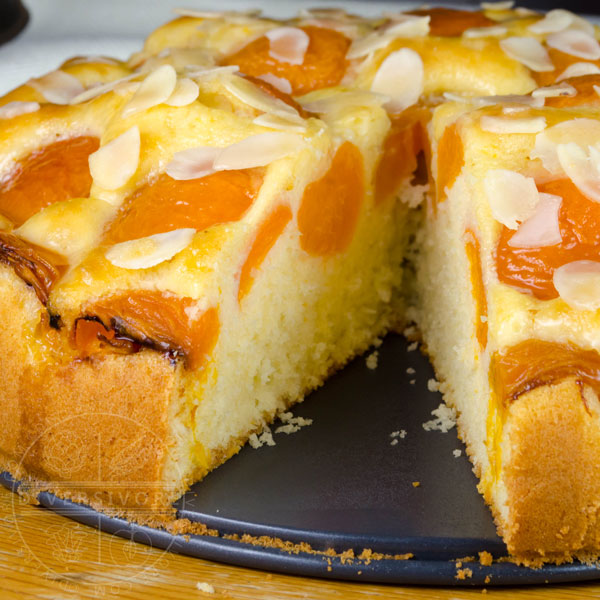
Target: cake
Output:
[(194, 239)]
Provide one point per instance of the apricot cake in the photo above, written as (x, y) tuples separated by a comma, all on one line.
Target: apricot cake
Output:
[(194, 239)]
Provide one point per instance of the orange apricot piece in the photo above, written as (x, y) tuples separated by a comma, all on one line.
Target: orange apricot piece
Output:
[(560, 60), (586, 94), (473, 250), (450, 160), (449, 22)]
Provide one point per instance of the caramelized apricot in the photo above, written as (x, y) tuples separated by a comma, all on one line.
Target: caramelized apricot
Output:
[(266, 87), (91, 337), (268, 233), (536, 362), (158, 320), (450, 160), (57, 172), (586, 94), (532, 269), (330, 206), (473, 251), (324, 62), (167, 204), (449, 22), (560, 60)]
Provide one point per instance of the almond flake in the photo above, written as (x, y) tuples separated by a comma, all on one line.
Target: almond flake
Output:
[(579, 69), (13, 109), (342, 100), (288, 44), (482, 32), (503, 5), (150, 251), (57, 87), (276, 122), (214, 14), (524, 101), (192, 163), (553, 91), (527, 51), (542, 228), (581, 167), (98, 90), (585, 131), (578, 284), (510, 125), (512, 197), (154, 90), (279, 83), (400, 77), (112, 165), (258, 150), (576, 43), (196, 72), (185, 92), (554, 20), (93, 58)]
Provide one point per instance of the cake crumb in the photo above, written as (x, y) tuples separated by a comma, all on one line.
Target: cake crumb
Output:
[(372, 360), (487, 579), (445, 419), (206, 588), (410, 332), (464, 574), (486, 559), (412, 347), (394, 442), (416, 484), (433, 385), (401, 433), (265, 438), (410, 371), (484, 591), (456, 453), (412, 381)]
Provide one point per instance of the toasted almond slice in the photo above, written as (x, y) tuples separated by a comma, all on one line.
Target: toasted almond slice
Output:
[(503, 5), (585, 131), (93, 58), (482, 32), (323, 13), (597, 89), (154, 90), (582, 168), (579, 69), (283, 85), (215, 14), (258, 150), (527, 51), (510, 125), (150, 251), (542, 228), (553, 91), (554, 20), (400, 77), (342, 100), (277, 122), (578, 284), (57, 87), (192, 163), (98, 90), (199, 72), (112, 165), (512, 197), (288, 44), (13, 109), (368, 44), (185, 92), (576, 43), (524, 101)]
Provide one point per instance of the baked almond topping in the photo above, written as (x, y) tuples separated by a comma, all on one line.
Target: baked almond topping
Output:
[(542, 228), (185, 92), (553, 21), (98, 90), (527, 51), (401, 77), (578, 284), (196, 72), (215, 14), (512, 197), (283, 85), (154, 90), (114, 163), (579, 69), (576, 43), (512, 125), (57, 87), (482, 32), (288, 44), (192, 163), (553, 91), (281, 123), (15, 109), (502, 5), (338, 101), (582, 168), (149, 251)]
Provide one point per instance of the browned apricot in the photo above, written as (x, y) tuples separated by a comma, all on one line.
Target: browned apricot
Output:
[(268, 233), (91, 337), (324, 63), (586, 94), (450, 160), (532, 269), (449, 22), (57, 172), (473, 251), (330, 206), (560, 60), (167, 204)]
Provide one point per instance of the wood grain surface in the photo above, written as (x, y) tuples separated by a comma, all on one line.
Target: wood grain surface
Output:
[(44, 555)]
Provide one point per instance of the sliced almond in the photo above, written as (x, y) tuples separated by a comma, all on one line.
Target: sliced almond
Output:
[(13, 109), (401, 77), (524, 101), (198, 72), (579, 69), (503, 5), (281, 123), (150, 251), (215, 14), (192, 163), (581, 167), (576, 43), (554, 20), (512, 197), (113, 164), (527, 51), (597, 89), (578, 284), (553, 91), (542, 228), (93, 58), (283, 85), (98, 90), (258, 150), (509, 125), (585, 131), (57, 87), (483, 32), (185, 92), (342, 100), (154, 90), (288, 44)]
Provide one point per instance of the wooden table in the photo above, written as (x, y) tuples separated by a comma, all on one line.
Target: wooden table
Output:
[(44, 555)]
